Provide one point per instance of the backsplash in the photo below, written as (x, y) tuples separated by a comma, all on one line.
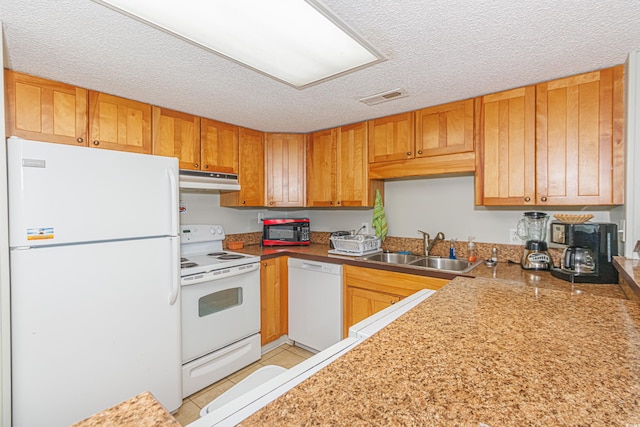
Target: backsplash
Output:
[(506, 253)]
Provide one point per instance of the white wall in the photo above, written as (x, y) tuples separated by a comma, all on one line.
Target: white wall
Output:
[(632, 135), (430, 204)]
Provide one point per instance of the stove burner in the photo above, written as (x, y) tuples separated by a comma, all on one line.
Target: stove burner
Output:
[(188, 264), (216, 254), (231, 256)]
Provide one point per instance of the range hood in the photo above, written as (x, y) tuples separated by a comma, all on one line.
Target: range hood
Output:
[(200, 181)]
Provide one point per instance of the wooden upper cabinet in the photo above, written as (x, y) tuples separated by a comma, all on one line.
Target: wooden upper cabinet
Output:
[(505, 149), (45, 110), (219, 146), (285, 169), (321, 168), (579, 139), (353, 186), (338, 169), (250, 172), (392, 138), (177, 134), (119, 124), (444, 129)]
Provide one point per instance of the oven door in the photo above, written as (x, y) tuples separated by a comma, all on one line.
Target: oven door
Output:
[(219, 308)]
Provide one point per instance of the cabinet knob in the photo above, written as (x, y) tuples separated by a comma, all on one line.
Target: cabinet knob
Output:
[(393, 302), (419, 151), (271, 203), (331, 202), (206, 166), (264, 264), (408, 153), (243, 202), (96, 142), (527, 199), (544, 199), (80, 140), (339, 202), (196, 165)]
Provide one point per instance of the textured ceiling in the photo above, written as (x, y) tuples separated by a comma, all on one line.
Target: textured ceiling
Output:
[(438, 50)]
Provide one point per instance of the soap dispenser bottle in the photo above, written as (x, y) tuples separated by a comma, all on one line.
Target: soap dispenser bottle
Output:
[(452, 250), (471, 250)]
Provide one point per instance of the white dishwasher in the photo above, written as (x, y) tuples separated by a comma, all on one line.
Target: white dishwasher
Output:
[(315, 303)]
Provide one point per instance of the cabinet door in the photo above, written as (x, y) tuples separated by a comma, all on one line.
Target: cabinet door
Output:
[(391, 138), (44, 110), (505, 152), (362, 303), (445, 129), (353, 185), (321, 168), (273, 299), (177, 134), (250, 171), (219, 146), (578, 135), (285, 169), (119, 124)]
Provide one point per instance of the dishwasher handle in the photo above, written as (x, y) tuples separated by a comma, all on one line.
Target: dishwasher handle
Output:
[(321, 267)]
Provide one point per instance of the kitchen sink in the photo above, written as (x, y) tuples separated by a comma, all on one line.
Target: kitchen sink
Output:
[(438, 263), (430, 262), (391, 258)]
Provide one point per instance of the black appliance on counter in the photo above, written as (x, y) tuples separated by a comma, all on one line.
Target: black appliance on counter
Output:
[(286, 232), (588, 254)]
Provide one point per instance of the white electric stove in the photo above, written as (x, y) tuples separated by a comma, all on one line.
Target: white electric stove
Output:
[(220, 307)]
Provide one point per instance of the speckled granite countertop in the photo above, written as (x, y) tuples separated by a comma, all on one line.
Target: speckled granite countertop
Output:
[(142, 410), (483, 350)]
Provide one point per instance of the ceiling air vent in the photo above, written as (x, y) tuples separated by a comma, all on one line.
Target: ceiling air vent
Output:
[(389, 95)]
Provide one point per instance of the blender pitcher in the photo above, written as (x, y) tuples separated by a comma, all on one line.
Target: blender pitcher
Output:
[(533, 229), (533, 226)]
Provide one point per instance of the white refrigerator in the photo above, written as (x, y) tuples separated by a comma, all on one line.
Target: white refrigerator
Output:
[(95, 280)]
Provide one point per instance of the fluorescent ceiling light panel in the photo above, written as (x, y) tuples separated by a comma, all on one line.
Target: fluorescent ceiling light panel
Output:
[(295, 41)]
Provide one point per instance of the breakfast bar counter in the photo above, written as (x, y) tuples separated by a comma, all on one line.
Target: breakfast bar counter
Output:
[(483, 351)]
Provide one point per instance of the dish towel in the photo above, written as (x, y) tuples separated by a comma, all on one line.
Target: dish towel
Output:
[(379, 222)]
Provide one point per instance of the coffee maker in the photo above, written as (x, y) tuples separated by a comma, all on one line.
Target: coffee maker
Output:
[(588, 254), (533, 229)]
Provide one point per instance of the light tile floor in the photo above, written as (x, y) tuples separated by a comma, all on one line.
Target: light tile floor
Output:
[(285, 355)]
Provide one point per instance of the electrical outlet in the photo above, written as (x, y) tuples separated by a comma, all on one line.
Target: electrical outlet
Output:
[(513, 237), (260, 216), (365, 228)]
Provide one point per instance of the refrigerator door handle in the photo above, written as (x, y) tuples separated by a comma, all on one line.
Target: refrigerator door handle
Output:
[(173, 186), (175, 272)]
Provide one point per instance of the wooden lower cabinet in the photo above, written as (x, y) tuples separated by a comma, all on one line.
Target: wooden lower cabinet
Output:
[(368, 290), (362, 303), (274, 295)]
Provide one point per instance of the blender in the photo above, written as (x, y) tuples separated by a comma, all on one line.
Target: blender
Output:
[(533, 230)]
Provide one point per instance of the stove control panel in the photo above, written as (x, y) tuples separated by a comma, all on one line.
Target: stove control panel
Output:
[(193, 233)]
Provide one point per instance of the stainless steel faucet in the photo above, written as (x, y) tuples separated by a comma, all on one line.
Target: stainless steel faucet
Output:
[(428, 245)]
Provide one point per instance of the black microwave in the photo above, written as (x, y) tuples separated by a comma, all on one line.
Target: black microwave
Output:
[(286, 231)]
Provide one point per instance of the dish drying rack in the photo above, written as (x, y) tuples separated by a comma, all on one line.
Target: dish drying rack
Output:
[(358, 245)]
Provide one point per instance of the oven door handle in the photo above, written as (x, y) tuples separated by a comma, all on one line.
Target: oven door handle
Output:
[(225, 273)]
